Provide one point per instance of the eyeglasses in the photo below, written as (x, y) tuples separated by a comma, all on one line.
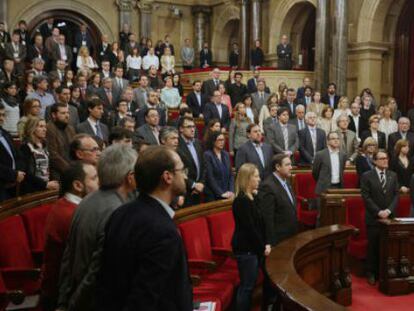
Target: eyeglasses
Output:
[(184, 170), (95, 149)]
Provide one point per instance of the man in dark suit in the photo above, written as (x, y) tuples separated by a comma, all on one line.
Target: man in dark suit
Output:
[(150, 130), (301, 91), (237, 90), (329, 165), (278, 201), (10, 174), (4, 38), (306, 98), (144, 261), (196, 100), (217, 110), (152, 102), (191, 153), (299, 122), (206, 56), (256, 56), (356, 123), (103, 49), (22, 31), (7, 72), (167, 44), (403, 133), (93, 125), (252, 83), (119, 84), (106, 94), (17, 52), (209, 86), (37, 50), (380, 191), (260, 97), (105, 71), (234, 56), (311, 139), (331, 98), (256, 152), (282, 136), (284, 54), (290, 103), (46, 28), (83, 38), (62, 51)]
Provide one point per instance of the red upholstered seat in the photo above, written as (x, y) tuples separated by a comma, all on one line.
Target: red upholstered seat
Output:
[(196, 237), (305, 189), (221, 227), (355, 209), (35, 222), (351, 180), (16, 262), (404, 207), (200, 128), (173, 114), (3, 294)]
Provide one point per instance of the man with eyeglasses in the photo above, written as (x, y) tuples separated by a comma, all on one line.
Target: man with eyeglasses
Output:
[(380, 191), (402, 133), (191, 153), (84, 148)]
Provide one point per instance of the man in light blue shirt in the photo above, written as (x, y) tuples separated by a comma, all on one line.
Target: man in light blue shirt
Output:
[(46, 99)]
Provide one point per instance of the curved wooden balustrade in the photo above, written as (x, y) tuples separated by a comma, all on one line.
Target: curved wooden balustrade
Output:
[(310, 267), (202, 210), (22, 203)]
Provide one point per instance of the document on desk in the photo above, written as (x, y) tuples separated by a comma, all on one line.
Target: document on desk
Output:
[(406, 219), (207, 306)]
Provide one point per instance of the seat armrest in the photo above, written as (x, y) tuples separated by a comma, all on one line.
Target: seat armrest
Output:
[(222, 251), (202, 264)]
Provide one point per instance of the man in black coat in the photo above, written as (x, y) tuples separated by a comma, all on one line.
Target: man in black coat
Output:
[(284, 54), (331, 98), (402, 133), (209, 86), (191, 153), (196, 100), (311, 139), (278, 201), (290, 103), (237, 90), (206, 57), (380, 191), (10, 175), (217, 110), (153, 102), (256, 56)]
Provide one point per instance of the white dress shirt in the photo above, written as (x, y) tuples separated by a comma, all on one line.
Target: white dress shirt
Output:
[(335, 169), (150, 60)]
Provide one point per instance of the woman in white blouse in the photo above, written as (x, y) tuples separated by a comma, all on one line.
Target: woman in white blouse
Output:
[(133, 64), (343, 108), (316, 106), (387, 125), (170, 95), (167, 63), (326, 121), (84, 60)]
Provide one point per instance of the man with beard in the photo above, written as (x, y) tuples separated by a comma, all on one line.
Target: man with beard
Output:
[(144, 263)]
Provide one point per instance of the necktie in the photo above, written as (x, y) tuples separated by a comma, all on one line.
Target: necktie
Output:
[(98, 131), (288, 192), (109, 95), (260, 153), (285, 136), (345, 139), (383, 182), (313, 136)]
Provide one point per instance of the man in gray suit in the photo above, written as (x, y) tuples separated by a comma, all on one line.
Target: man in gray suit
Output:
[(328, 165), (17, 52), (119, 84), (348, 140), (93, 125), (150, 130), (82, 257), (62, 51), (260, 97), (272, 119), (283, 136), (187, 55), (141, 93)]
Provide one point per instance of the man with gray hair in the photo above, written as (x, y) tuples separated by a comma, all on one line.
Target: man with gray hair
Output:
[(299, 121), (311, 139), (402, 133), (46, 99), (38, 66), (169, 137), (82, 258), (348, 140)]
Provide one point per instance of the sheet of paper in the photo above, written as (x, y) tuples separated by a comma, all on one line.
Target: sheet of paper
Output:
[(406, 219), (207, 306)]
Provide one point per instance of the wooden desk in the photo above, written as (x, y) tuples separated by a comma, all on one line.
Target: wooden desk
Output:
[(396, 276), (310, 270)]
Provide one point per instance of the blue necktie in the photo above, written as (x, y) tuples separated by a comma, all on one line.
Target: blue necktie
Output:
[(288, 192), (98, 131)]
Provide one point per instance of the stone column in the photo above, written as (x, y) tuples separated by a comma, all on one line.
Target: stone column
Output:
[(145, 8), (201, 25), (125, 10), (340, 45), (244, 34), (322, 45), (256, 21), (3, 13)]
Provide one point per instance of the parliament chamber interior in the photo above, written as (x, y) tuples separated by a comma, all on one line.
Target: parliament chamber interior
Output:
[(216, 155)]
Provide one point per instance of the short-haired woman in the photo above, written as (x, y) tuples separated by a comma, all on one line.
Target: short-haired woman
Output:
[(387, 124), (374, 132), (364, 162), (402, 165), (249, 240), (219, 177), (35, 157), (326, 121)]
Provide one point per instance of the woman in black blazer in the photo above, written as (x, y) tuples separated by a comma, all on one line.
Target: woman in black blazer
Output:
[(373, 132), (402, 165), (219, 177), (364, 161), (35, 158), (249, 240)]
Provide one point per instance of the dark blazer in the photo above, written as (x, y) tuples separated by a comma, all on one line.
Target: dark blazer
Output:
[(144, 132), (237, 93), (45, 31), (102, 52), (31, 183), (194, 105), (292, 113), (108, 105), (394, 137), (256, 57), (234, 59), (211, 112), (247, 154), (163, 46), (249, 232), (206, 58), (8, 175), (56, 53), (140, 116), (208, 87), (85, 127), (325, 100), (278, 211), (10, 51), (363, 126), (284, 54), (363, 164), (144, 264), (33, 53), (403, 173), (217, 180), (189, 163), (381, 138), (374, 197), (321, 170), (307, 153), (79, 38)]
